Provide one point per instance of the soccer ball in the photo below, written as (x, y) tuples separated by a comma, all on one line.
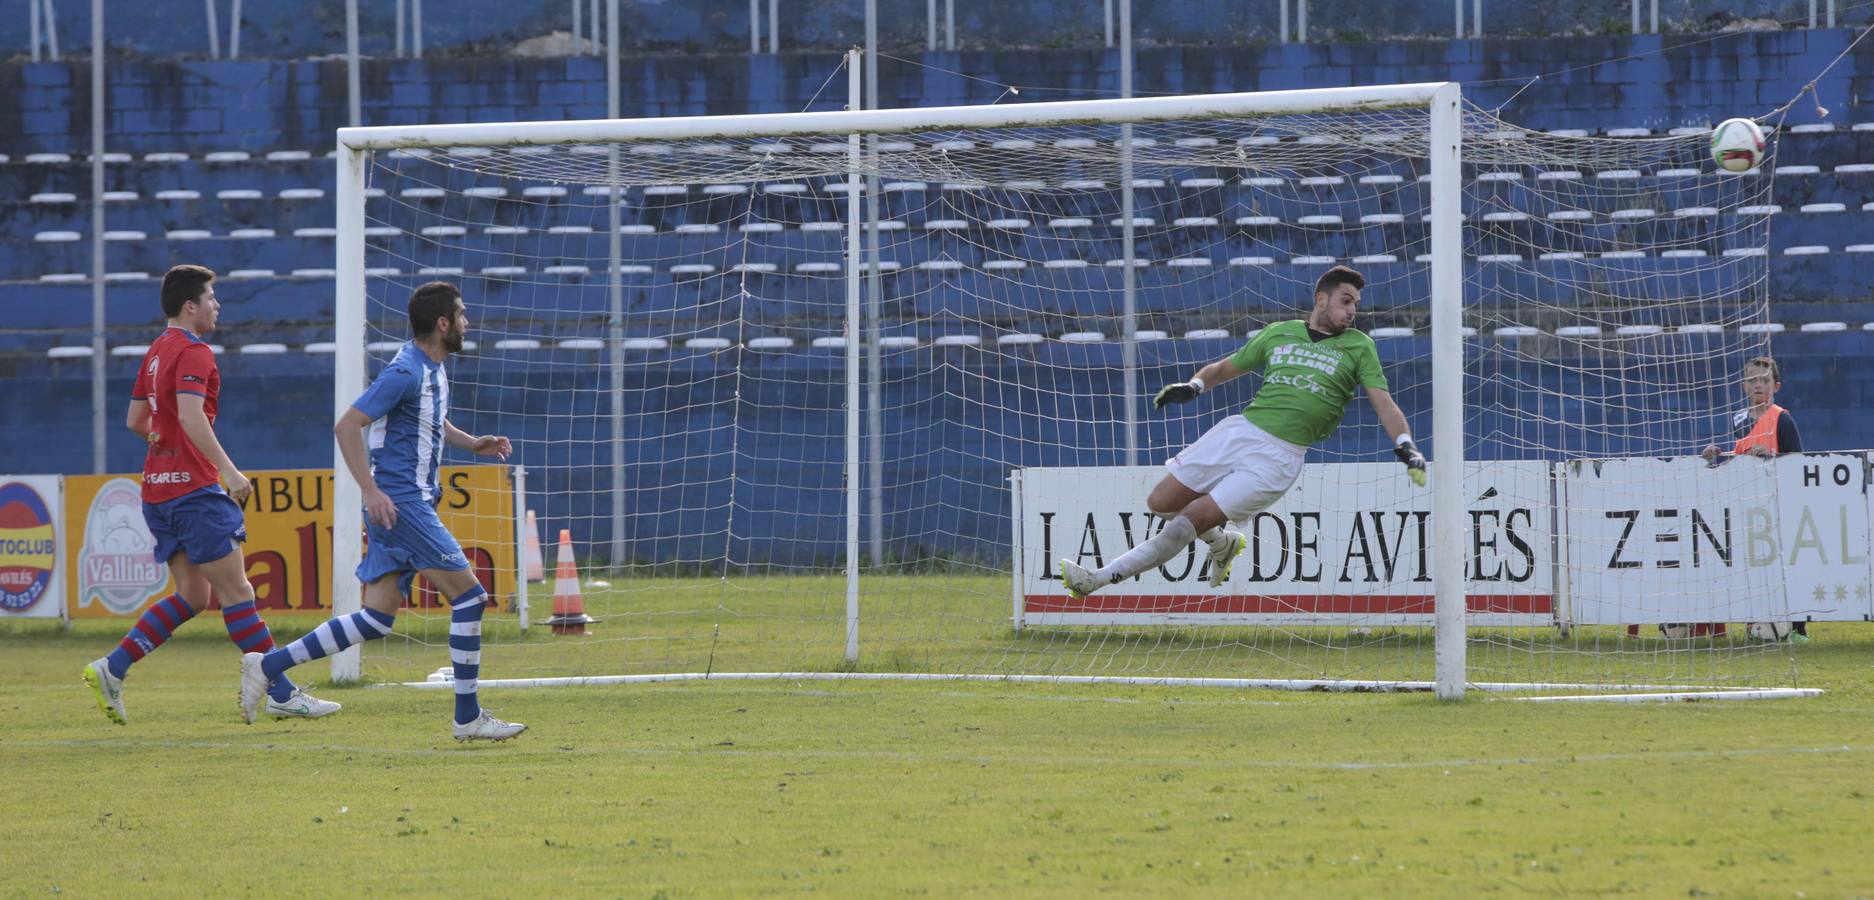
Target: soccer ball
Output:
[(1769, 631), (1737, 145), (1675, 631)]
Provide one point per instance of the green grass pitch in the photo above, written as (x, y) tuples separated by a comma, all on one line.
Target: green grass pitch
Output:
[(867, 789)]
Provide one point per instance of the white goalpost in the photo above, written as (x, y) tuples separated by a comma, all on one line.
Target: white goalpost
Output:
[(838, 444)]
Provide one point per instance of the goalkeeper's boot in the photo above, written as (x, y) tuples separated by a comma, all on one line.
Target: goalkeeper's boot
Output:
[(301, 705), (1078, 580), (487, 728), (1222, 559), (107, 688), (254, 683)]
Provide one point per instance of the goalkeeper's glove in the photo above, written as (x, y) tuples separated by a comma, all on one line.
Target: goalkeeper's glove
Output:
[(1179, 393), (1413, 459)]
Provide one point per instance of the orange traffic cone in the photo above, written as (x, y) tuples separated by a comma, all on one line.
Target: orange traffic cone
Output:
[(569, 608), (536, 567)]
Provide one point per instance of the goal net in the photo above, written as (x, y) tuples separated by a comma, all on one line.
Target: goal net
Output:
[(831, 393)]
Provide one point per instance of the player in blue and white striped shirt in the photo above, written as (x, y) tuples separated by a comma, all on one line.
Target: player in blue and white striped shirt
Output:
[(407, 409)]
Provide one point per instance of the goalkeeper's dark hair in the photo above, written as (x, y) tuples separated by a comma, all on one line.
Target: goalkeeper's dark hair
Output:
[(182, 284), (1765, 362), (1338, 276), (432, 301)]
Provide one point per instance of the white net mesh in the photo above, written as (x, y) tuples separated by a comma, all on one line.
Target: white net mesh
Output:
[(1606, 281)]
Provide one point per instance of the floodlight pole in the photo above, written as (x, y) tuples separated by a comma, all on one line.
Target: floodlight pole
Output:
[(99, 426), (354, 100), (874, 298), (1129, 323), (854, 262), (614, 258)]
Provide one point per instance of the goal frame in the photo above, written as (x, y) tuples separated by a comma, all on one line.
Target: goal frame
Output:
[(1443, 101)]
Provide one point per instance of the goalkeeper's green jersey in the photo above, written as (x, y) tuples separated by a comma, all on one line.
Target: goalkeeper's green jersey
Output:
[(1306, 383)]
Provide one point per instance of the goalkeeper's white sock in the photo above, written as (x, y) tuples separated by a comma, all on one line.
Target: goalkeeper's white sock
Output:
[(1178, 534), (1215, 540)]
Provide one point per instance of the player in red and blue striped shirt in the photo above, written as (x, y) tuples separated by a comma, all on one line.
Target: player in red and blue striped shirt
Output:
[(196, 523)]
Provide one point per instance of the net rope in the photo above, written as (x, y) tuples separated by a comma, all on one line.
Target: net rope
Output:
[(1607, 286)]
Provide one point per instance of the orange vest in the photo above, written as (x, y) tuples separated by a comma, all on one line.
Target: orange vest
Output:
[(1762, 434)]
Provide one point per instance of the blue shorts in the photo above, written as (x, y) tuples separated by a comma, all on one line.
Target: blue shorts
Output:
[(203, 524), (417, 541)]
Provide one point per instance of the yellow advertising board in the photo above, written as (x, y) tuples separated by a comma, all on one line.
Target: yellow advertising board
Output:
[(110, 569)]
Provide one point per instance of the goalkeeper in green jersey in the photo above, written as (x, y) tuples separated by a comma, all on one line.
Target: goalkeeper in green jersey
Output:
[(1245, 463)]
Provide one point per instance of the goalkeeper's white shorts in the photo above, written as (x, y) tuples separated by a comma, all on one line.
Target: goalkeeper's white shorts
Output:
[(1242, 467)]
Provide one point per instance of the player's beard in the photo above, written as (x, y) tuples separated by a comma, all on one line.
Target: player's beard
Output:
[(452, 340)]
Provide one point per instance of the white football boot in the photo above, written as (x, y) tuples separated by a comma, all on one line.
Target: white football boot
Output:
[(1078, 580), (1222, 560), (253, 686), (108, 688), (301, 706), (487, 728)]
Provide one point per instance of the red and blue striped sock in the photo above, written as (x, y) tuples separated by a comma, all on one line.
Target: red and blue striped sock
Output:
[(152, 629), (249, 632), (465, 651)]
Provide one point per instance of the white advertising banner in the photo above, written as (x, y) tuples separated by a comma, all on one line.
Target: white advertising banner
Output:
[(1348, 545), (1675, 540), (1641, 541), (32, 547)]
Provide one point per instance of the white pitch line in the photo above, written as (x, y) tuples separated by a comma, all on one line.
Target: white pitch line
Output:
[(541, 746)]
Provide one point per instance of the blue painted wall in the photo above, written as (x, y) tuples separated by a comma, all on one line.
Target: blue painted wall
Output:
[(317, 27), (161, 105)]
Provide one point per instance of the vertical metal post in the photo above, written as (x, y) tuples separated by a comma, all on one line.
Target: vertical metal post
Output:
[(754, 26), (1458, 26), (234, 29), (950, 24), (32, 19), (416, 28), (1655, 16), (1106, 18), (1831, 13), (614, 257), (214, 30), (353, 94), (594, 27), (1812, 12), (1283, 21), (1477, 18), (579, 39), (930, 24), (1301, 21), (1128, 279), (399, 41), (874, 298), (1636, 16), (98, 416), (854, 258), (52, 31), (347, 383), (774, 26), (1447, 302), (519, 475)]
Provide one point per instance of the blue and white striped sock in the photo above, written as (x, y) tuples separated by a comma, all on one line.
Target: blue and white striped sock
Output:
[(465, 651), (325, 640)]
